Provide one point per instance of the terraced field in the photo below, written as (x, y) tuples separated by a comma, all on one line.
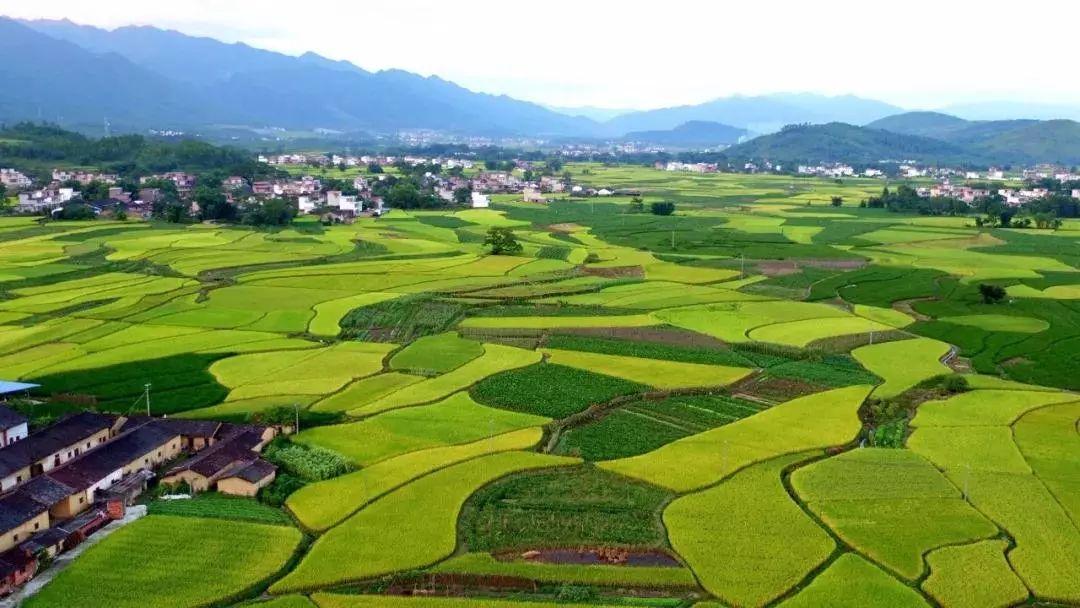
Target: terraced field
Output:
[(635, 410)]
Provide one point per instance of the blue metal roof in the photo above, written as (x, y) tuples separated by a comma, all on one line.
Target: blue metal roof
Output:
[(15, 387)]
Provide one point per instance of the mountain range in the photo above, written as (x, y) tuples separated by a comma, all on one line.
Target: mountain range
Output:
[(693, 134), (139, 77)]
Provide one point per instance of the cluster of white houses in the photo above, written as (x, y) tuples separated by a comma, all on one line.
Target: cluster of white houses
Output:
[(63, 482), (1014, 197)]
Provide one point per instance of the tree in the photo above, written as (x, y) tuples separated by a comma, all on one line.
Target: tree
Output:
[(374, 168), (176, 213), (502, 241), (95, 191), (213, 206), (75, 210), (404, 195), (991, 294), (272, 212), (637, 205), (662, 208), (462, 195), (1005, 217), (837, 201)]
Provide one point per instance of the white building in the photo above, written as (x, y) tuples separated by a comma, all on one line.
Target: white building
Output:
[(533, 195), (480, 201), (350, 203), (12, 426), (1076, 193), (12, 178)]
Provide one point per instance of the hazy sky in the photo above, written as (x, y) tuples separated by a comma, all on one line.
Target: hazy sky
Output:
[(624, 54)]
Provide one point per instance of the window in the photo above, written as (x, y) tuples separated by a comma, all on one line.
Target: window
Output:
[(18, 479), (15, 537), (88, 445), (82, 499), (37, 525)]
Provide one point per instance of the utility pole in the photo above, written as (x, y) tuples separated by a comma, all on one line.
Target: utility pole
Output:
[(146, 388), (296, 412), (742, 265), (673, 239)]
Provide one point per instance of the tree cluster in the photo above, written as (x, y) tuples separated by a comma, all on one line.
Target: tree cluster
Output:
[(907, 200)]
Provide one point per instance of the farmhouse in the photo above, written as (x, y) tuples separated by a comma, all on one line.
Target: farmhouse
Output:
[(143, 448), (12, 426), (533, 195), (480, 201), (49, 448), (64, 482), (232, 465)]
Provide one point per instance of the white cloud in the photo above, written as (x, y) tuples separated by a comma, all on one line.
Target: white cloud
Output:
[(919, 53)]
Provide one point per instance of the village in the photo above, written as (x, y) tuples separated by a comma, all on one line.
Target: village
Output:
[(460, 182), (62, 483), (311, 195)]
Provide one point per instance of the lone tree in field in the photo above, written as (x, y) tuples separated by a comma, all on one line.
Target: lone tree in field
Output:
[(837, 201), (991, 294), (502, 241), (662, 208)]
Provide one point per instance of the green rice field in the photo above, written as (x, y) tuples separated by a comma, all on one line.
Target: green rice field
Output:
[(634, 410)]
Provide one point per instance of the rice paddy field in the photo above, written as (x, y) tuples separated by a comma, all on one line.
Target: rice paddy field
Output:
[(635, 410)]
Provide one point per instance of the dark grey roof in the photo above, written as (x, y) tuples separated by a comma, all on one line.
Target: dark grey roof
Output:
[(50, 537), (45, 490), (17, 508), (10, 417), (98, 463), (182, 426), (66, 432), (255, 472)]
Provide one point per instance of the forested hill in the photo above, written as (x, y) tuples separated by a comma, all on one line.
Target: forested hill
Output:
[(37, 148), (1003, 141), (839, 142)]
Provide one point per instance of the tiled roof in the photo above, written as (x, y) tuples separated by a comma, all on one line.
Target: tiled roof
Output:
[(10, 418), (97, 464), (255, 472), (18, 508), (66, 432)]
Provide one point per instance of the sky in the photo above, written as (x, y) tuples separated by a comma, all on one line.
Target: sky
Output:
[(639, 55)]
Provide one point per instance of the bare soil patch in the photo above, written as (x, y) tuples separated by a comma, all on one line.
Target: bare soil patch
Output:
[(615, 272), (659, 335)]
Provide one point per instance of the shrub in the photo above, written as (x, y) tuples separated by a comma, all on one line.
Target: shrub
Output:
[(283, 485), (662, 208), (307, 462), (991, 294)]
